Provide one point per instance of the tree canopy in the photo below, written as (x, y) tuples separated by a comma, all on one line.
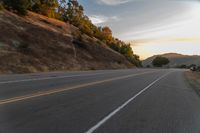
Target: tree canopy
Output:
[(159, 61)]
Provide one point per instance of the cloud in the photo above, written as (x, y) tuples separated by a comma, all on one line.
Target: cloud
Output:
[(113, 2), (165, 40), (99, 19), (187, 39)]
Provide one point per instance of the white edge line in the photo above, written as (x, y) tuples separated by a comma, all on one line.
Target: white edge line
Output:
[(105, 119)]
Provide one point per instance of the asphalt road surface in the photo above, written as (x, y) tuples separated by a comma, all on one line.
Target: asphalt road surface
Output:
[(110, 101)]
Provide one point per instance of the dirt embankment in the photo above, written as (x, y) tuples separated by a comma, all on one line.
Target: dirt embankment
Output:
[(194, 80), (36, 43)]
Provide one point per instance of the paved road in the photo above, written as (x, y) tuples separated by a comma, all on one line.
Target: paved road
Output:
[(112, 101)]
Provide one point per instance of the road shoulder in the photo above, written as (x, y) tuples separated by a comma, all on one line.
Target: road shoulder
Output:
[(193, 79)]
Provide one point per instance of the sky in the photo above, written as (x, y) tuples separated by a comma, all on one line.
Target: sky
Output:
[(151, 26)]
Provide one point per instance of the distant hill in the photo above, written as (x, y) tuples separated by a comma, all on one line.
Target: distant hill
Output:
[(175, 59), (36, 43)]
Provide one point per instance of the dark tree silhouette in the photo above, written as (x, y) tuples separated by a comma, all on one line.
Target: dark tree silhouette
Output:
[(159, 61)]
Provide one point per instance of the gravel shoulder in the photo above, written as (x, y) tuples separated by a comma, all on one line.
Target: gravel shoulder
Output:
[(193, 79)]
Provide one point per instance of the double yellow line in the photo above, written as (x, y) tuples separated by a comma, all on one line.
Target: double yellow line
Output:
[(45, 93)]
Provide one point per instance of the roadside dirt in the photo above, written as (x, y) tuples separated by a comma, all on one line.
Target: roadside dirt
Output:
[(194, 80)]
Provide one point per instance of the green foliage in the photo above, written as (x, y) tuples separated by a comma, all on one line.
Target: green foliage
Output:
[(192, 65), (182, 66), (45, 7), (126, 50), (24, 48), (198, 68), (115, 46), (159, 61), (86, 27), (71, 11), (18, 6)]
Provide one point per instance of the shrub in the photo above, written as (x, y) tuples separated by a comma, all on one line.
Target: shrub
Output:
[(80, 37), (182, 66), (148, 66), (18, 6), (92, 68), (119, 62), (159, 61), (1, 6), (198, 68), (24, 47)]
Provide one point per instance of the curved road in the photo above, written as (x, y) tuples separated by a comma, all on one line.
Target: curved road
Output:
[(107, 101)]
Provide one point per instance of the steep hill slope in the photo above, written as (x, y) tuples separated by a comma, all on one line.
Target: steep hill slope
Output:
[(35, 43), (176, 59)]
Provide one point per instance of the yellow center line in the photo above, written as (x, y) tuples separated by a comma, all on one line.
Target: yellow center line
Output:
[(45, 93)]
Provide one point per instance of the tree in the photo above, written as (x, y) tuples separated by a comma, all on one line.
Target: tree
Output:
[(181, 66), (198, 68), (107, 32), (45, 7), (18, 6), (127, 51), (1, 6), (159, 61), (73, 12)]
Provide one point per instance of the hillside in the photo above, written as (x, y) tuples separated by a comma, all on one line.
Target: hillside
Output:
[(175, 59), (35, 43)]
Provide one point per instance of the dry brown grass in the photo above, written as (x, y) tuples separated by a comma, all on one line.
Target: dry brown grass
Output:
[(36, 43), (194, 80)]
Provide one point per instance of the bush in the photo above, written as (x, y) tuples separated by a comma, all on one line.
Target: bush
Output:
[(86, 30), (18, 6), (182, 66), (148, 66), (24, 47), (159, 61), (114, 46), (198, 68), (80, 37), (1, 6)]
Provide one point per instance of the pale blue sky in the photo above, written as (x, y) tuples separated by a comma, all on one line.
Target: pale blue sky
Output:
[(152, 26)]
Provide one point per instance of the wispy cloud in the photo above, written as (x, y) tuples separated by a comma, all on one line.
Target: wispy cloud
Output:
[(164, 40), (99, 19), (113, 2)]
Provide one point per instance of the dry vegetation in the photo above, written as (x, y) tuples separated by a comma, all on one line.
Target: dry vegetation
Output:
[(35, 43)]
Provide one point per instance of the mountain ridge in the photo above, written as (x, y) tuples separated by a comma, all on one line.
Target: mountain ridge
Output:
[(176, 59)]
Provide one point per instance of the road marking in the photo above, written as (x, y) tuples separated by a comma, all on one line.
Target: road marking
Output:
[(105, 119), (45, 93), (46, 78)]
